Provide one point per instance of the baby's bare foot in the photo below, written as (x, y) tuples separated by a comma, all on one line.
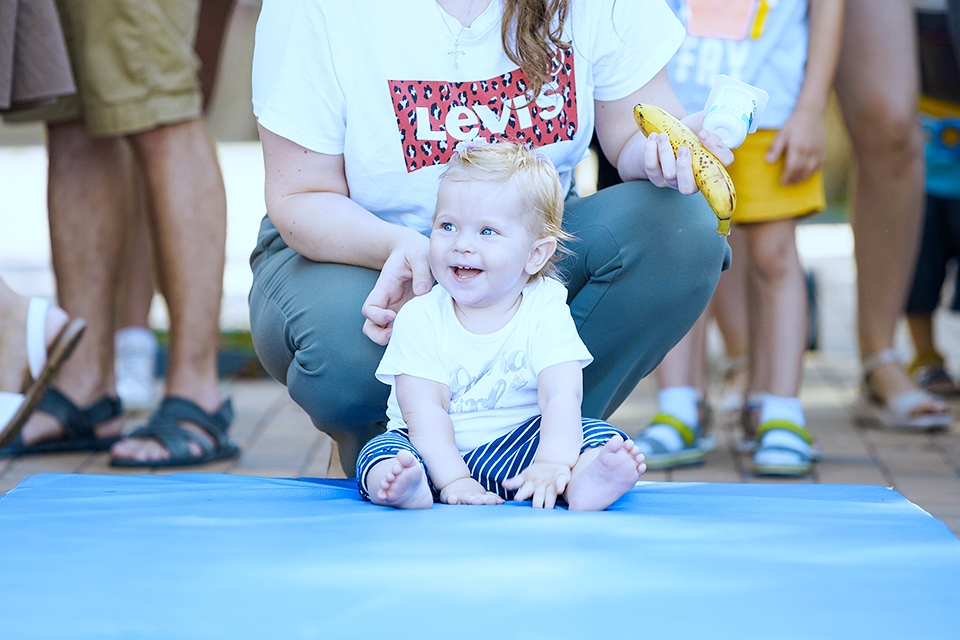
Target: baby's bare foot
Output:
[(405, 484), (611, 474)]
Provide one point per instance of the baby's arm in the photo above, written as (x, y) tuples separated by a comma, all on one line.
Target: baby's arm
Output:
[(559, 394), (802, 140), (424, 404)]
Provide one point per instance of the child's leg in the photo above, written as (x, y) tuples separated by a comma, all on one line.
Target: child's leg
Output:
[(604, 472), (777, 308), (936, 250), (672, 437), (729, 308), (778, 302), (390, 473)]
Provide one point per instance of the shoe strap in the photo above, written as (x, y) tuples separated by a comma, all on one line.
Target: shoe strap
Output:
[(77, 422), (784, 425), (37, 334), (689, 435), (880, 359)]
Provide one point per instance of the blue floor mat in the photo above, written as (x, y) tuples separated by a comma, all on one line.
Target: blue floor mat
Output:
[(220, 556)]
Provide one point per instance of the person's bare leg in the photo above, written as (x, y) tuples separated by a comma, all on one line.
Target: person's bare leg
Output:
[(877, 87), (399, 482), (684, 365), (603, 474), (14, 372), (189, 231), (921, 332), (729, 309), (86, 203), (778, 302), (136, 278)]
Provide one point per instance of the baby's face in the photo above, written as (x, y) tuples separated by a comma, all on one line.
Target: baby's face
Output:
[(480, 248)]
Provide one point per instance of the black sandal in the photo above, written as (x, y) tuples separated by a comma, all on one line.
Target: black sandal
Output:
[(78, 425), (164, 427)]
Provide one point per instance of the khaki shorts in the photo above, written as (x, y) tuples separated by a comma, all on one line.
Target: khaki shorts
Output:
[(760, 196), (134, 64)]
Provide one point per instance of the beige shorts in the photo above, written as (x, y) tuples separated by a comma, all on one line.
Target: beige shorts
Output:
[(134, 65)]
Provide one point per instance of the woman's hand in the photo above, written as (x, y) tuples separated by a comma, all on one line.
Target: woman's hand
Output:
[(664, 169), (405, 274), (652, 158)]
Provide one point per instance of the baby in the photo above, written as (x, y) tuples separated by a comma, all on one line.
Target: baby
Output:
[(485, 369)]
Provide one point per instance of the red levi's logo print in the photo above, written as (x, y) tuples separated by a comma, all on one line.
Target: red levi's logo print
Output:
[(434, 116)]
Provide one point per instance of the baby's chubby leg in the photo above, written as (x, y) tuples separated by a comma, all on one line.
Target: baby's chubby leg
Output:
[(399, 482), (603, 474)]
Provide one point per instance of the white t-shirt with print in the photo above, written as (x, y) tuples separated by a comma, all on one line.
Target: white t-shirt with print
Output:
[(374, 80), (492, 377)]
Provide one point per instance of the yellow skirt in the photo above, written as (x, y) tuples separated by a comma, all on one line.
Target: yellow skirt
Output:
[(760, 196)]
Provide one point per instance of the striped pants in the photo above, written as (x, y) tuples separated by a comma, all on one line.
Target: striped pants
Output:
[(489, 464)]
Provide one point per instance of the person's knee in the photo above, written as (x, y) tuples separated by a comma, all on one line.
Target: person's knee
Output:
[(887, 128), (164, 138), (773, 255), (638, 218)]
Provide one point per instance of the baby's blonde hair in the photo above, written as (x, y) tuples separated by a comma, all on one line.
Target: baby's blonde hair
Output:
[(537, 179)]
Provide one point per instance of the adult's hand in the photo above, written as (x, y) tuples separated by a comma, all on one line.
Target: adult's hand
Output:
[(406, 273), (639, 157)]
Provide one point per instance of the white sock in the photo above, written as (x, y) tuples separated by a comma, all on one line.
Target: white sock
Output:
[(681, 403), (780, 408)]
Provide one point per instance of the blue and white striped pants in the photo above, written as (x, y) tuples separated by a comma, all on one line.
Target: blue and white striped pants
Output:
[(489, 464)]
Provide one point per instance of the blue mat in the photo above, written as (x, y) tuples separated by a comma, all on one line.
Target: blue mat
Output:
[(218, 556)]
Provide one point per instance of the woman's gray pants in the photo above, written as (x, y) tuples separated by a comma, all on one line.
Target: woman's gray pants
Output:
[(645, 263)]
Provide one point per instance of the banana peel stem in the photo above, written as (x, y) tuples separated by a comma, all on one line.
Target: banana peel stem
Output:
[(723, 226)]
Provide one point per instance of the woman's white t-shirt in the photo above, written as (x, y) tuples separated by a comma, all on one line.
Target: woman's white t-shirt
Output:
[(381, 82)]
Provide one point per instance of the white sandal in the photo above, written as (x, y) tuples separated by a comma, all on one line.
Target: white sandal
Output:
[(900, 411), (15, 408)]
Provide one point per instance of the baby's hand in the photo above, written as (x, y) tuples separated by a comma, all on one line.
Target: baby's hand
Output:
[(467, 491), (542, 482)]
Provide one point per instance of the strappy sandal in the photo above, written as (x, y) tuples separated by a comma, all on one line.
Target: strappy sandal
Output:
[(165, 427), (750, 424), (43, 364), (901, 410), (656, 453), (928, 372), (783, 449), (78, 425)]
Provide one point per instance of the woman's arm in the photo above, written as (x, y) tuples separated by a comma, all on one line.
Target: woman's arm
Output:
[(308, 201), (640, 158)]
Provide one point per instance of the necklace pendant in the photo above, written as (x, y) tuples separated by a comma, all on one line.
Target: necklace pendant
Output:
[(456, 53)]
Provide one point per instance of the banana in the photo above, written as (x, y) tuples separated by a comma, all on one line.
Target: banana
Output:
[(711, 176)]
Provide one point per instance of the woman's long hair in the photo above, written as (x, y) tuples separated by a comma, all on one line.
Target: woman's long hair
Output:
[(537, 27)]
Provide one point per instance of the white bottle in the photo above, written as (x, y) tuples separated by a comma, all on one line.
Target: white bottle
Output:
[(733, 110)]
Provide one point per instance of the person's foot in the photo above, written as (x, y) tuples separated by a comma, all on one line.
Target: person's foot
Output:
[(611, 474), (405, 484), (150, 450), (43, 427), (888, 381)]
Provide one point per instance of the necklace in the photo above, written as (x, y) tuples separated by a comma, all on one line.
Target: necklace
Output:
[(456, 53)]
